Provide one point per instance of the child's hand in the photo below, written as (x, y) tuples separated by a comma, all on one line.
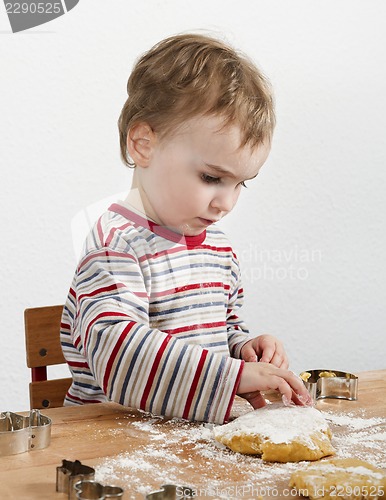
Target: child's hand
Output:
[(266, 349), (258, 377)]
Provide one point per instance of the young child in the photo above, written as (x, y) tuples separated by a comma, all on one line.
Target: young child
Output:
[(151, 320)]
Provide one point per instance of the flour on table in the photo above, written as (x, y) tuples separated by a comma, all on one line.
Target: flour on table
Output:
[(166, 456)]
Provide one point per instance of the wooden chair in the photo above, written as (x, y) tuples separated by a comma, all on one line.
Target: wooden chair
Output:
[(42, 337)]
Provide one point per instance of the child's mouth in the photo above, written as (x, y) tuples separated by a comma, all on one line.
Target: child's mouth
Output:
[(206, 222)]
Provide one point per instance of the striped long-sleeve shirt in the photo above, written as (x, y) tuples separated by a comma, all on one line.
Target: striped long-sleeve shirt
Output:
[(151, 319)]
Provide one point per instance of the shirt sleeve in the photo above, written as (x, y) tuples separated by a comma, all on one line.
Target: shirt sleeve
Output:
[(238, 333), (139, 366)]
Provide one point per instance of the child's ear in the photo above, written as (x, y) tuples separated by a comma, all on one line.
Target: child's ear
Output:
[(140, 142)]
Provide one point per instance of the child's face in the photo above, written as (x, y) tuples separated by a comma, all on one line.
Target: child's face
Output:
[(195, 176)]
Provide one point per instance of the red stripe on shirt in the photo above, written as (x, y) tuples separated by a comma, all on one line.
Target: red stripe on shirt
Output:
[(114, 353), (194, 286), (180, 249), (78, 364), (100, 230), (194, 384), (91, 324), (113, 231), (162, 254), (216, 249), (233, 395), (198, 326), (153, 371), (114, 286), (105, 253), (83, 401)]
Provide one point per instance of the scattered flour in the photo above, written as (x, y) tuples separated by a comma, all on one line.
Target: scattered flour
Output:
[(170, 450), (352, 421), (366, 435)]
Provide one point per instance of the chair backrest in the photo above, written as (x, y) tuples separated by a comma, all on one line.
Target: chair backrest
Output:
[(42, 339)]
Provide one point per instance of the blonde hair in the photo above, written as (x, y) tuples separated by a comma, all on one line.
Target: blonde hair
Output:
[(185, 76)]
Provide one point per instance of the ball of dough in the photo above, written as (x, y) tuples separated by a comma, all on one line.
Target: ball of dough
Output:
[(279, 434), (344, 479)]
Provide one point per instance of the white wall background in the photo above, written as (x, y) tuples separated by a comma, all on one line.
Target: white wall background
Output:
[(310, 231)]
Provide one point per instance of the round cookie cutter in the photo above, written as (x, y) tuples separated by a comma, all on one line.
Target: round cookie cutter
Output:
[(334, 384)]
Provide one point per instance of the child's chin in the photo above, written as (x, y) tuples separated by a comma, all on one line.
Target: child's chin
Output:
[(190, 231)]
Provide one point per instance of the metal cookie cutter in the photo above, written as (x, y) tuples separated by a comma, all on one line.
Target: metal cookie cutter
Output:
[(172, 492), (70, 473), (322, 384), (77, 480), (91, 490), (19, 433)]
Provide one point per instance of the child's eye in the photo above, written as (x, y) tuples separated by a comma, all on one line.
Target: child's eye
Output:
[(210, 179), (243, 184)]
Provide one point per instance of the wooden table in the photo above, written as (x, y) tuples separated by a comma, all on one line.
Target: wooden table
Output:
[(141, 452)]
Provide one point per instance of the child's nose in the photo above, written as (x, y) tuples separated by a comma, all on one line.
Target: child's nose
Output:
[(225, 200)]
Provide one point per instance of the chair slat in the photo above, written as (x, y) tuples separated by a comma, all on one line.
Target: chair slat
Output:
[(42, 338), (48, 394), (42, 326)]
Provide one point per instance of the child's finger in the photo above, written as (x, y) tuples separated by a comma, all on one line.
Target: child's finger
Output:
[(294, 389), (279, 359), (248, 353), (255, 399), (286, 401), (267, 354), (306, 401)]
